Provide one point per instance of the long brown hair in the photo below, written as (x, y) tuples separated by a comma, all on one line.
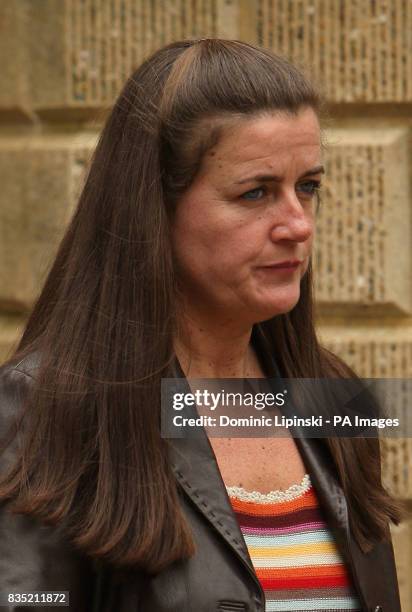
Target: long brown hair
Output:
[(93, 460)]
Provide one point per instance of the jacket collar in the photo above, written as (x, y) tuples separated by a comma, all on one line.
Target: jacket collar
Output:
[(195, 467)]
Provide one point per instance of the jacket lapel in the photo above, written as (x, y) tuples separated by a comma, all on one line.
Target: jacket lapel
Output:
[(195, 467)]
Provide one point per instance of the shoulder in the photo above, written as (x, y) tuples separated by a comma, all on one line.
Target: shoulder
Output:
[(19, 372), (16, 380), (25, 367), (18, 376)]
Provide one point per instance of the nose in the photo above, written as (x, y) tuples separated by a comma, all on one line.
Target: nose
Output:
[(292, 220)]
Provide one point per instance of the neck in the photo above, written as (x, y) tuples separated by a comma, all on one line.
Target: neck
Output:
[(206, 349)]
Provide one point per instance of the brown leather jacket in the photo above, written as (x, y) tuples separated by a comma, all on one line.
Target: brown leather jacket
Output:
[(219, 577)]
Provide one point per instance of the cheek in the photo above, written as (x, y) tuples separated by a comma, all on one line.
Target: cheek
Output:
[(196, 246), (212, 242), (211, 256)]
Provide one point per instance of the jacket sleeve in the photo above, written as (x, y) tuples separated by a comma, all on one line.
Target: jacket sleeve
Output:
[(33, 556)]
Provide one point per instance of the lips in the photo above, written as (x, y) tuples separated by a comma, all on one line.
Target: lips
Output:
[(290, 263)]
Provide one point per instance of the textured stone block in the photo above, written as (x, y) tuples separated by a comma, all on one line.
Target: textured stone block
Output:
[(40, 177), (363, 238), (382, 351), (90, 47), (360, 50), (13, 51), (402, 544), (375, 349)]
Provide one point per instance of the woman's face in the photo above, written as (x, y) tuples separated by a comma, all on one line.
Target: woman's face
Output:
[(232, 227)]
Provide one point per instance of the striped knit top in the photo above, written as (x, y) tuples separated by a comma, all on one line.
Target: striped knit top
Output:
[(292, 550)]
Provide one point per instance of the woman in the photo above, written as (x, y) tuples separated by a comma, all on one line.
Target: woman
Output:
[(170, 267)]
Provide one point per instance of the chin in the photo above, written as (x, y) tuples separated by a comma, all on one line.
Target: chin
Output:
[(270, 309), (264, 314)]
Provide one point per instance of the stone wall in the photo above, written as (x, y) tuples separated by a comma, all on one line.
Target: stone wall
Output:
[(66, 60)]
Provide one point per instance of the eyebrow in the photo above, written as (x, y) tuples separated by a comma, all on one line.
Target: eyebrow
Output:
[(278, 179)]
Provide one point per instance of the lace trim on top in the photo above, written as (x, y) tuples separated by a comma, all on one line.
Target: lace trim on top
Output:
[(292, 492)]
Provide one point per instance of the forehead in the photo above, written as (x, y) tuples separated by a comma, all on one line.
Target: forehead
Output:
[(276, 140)]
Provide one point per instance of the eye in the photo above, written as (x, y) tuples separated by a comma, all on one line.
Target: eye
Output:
[(310, 187), (252, 192)]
